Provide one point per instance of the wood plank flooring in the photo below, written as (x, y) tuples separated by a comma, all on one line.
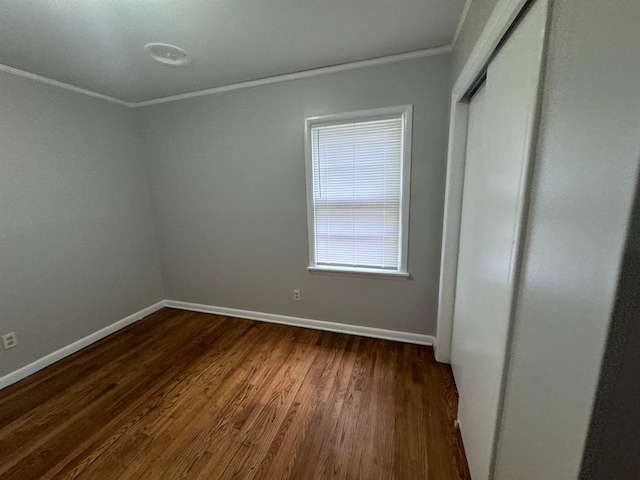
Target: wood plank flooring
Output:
[(183, 395)]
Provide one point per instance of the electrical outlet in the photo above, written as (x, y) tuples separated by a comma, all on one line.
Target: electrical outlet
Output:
[(296, 295), (9, 340)]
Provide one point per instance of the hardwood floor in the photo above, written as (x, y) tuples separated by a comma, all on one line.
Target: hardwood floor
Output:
[(183, 395)]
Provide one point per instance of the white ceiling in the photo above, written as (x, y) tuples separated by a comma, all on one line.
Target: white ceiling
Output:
[(98, 44)]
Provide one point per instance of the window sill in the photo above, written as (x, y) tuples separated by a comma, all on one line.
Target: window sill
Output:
[(359, 272)]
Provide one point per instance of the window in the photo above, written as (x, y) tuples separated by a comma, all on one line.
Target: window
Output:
[(358, 170)]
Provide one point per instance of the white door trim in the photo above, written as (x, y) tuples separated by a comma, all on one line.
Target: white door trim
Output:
[(503, 17)]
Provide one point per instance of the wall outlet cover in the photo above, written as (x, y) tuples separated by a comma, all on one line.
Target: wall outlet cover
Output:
[(9, 340)]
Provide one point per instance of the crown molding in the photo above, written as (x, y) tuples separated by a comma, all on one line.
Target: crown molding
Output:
[(66, 86), (463, 18), (300, 75), (235, 86)]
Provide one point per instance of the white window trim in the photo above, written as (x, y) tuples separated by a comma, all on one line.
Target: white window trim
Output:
[(406, 112)]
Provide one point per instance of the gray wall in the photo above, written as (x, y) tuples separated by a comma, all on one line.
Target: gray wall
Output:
[(77, 243), (584, 180), (227, 174), (477, 16), (612, 450)]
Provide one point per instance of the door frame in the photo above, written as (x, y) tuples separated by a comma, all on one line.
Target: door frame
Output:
[(504, 17)]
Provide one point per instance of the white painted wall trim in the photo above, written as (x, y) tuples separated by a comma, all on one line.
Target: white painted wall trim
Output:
[(236, 86), (50, 359), (463, 18), (49, 81), (503, 16), (405, 337), (404, 113), (58, 355), (299, 75), (501, 19)]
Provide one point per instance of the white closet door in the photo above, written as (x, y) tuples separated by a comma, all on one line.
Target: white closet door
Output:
[(500, 127)]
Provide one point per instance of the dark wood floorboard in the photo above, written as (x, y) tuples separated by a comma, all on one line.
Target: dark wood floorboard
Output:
[(183, 395)]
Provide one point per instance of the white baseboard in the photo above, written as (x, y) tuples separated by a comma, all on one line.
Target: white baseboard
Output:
[(32, 368), (405, 337)]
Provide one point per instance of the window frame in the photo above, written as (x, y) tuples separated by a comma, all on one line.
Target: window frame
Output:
[(405, 112)]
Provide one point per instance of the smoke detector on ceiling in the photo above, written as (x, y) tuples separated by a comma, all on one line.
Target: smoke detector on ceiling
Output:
[(167, 54)]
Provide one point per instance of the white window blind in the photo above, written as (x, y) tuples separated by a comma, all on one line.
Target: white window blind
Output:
[(357, 198)]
